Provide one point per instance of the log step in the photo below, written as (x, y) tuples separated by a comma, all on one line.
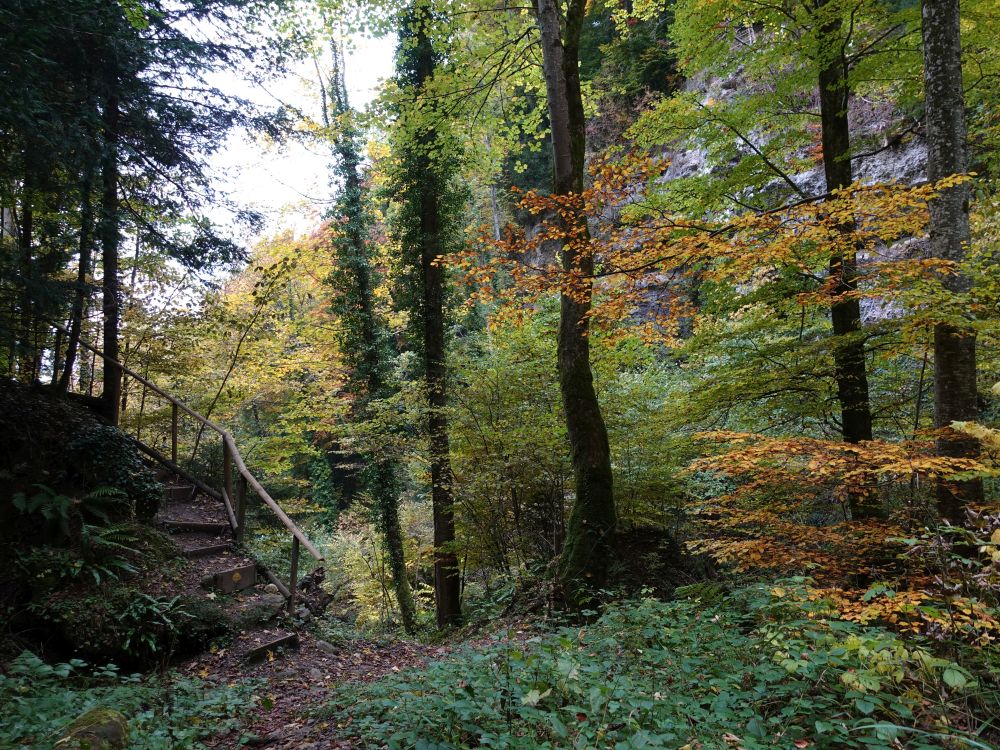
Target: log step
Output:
[(235, 579), (213, 549), (211, 527), (259, 652)]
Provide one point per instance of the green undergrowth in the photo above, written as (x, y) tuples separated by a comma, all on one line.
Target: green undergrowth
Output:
[(747, 671), (39, 700)]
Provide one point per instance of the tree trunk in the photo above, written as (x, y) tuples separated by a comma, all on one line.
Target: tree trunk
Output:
[(587, 551), (370, 363), (955, 394), (110, 236), (845, 312), (849, 352), (446, 572), (26, 355), (82, 289)]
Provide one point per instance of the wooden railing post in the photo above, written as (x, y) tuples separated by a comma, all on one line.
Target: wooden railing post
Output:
[(227, 470), (173, 433), (241, 511), (293, 583)]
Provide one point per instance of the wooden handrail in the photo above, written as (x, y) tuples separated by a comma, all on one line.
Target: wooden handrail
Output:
[(230, 446)]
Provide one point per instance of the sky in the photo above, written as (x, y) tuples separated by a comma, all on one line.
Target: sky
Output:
[(287, 182)]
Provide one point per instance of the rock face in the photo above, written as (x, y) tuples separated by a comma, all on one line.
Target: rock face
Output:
[(97, 729)]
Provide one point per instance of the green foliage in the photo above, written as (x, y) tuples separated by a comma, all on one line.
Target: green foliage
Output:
[(105, 456), (76, 548), (62, 513), (164, 713), (748, 670), (508, 440)]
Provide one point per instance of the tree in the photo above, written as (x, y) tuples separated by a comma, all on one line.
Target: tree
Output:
[(424, 227), (955, 392), (590, 535), (364, 339)]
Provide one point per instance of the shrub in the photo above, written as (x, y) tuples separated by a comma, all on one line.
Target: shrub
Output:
[(118, 622)]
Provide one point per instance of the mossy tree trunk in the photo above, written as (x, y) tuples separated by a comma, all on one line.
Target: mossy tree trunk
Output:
[(590, 534)]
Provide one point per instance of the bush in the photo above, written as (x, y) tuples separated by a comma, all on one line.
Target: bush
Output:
[(165, 713), (748, 671), (118, 622)]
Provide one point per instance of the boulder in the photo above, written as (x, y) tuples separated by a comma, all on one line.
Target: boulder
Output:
[(97, 729)]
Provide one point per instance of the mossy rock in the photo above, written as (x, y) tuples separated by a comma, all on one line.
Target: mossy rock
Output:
[(258, 610), (205, 621), (97, 729)]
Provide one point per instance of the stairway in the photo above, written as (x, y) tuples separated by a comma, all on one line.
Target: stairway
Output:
[(227, 574)]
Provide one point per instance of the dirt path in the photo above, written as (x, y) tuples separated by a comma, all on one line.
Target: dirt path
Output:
[(299, 681)]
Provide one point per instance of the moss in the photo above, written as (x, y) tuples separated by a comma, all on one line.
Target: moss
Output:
[(97, 729)]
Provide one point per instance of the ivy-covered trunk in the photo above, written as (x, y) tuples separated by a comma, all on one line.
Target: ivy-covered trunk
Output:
[(426, 164), (590, 535), (955, 394), (364, 337)]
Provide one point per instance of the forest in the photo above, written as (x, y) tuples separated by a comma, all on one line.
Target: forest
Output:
[(630, 382)]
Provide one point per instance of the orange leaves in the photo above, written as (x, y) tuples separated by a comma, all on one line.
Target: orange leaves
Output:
[(914, 610), (789, 508), (815, 462)]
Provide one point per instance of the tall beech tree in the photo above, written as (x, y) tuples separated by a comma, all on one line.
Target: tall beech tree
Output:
[(955, 393), (832, 58), (591, 530), (425, 230), (364, 342)]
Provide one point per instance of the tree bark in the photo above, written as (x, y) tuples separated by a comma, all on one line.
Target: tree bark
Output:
[(110, 237), (955, 393), (370, 363), (587, 552), (26, 356)]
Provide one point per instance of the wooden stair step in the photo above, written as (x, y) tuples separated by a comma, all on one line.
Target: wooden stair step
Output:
[(212, 549), (234, 579), (272, 645), (212, 527)]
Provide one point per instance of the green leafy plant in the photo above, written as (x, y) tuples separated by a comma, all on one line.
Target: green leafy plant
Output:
[(164, 713), (77, 548), (150, 624), (748, 670)]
